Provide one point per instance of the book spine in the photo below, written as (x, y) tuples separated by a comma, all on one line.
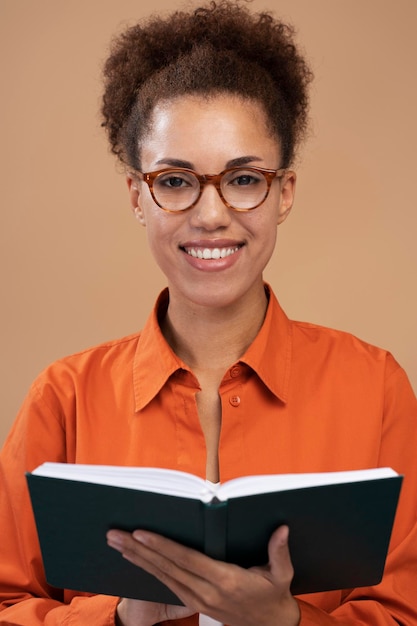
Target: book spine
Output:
[(215, 529)]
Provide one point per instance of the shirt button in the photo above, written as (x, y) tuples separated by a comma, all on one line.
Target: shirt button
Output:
[(234, 400), (235, 371)]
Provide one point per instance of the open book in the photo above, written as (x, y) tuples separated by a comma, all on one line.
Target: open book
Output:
[(340, 523)]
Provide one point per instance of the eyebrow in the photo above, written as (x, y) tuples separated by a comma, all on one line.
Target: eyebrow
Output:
[(243, 160)]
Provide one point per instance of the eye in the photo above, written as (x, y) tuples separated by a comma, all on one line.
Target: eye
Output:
[(175, 180), (172, 181), (243, 178)]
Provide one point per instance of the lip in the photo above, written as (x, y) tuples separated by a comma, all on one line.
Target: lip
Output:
[(198, 253), (211, 243)]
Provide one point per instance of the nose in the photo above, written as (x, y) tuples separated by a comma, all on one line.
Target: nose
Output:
[(210, 212)]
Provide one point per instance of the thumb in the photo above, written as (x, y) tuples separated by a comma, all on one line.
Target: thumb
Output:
[(281, 569)]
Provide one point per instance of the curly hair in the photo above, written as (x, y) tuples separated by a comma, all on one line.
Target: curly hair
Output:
[(218, 48)]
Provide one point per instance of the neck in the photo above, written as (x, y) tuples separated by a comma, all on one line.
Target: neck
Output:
[(212, 338)]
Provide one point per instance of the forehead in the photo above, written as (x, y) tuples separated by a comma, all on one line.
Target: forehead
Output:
[(222, 125)]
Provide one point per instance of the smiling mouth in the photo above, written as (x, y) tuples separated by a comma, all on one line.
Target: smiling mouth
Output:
[(211, 253)]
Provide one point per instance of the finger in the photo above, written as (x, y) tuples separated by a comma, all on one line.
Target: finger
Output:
[(185, 558), (167, 561), (151, 546), (281, 568), (133, 550), (186, 565)]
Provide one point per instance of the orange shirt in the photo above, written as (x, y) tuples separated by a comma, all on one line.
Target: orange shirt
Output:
[(301, 399)]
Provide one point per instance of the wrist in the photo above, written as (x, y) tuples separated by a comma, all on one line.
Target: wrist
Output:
[(134, 613)]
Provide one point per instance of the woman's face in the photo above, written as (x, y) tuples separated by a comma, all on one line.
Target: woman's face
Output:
[(209, 136)]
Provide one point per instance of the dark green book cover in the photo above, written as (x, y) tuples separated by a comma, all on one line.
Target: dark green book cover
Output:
[(339, 534)]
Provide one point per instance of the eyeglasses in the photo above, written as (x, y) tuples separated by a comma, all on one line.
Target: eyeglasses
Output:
[(240, 188)]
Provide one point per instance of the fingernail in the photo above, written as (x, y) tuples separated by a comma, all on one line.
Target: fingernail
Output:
[(113, 539), (285, 534), (139, 536)]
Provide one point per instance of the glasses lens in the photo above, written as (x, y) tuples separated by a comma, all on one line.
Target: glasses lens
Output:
[(176, 190), (244, 188)]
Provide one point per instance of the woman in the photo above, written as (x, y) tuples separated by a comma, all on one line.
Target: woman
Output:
[(206, 110)]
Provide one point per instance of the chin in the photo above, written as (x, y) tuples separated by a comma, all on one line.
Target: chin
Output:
[(218, 294)]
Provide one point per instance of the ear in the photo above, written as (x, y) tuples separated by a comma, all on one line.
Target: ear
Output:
[(287, 195), (134, 194)]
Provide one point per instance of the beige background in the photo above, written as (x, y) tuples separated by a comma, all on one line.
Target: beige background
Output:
[(75, 269)]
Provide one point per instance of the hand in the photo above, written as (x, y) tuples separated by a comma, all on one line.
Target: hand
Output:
[(230, 594)]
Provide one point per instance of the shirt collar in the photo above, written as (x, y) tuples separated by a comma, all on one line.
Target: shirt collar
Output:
[(269, 355), (154, 360)]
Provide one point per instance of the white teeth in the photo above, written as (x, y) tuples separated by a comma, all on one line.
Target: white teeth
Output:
[(211, 253)]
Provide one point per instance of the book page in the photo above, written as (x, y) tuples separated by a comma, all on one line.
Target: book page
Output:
[(204, 620), (154, 479), (250, 485), (182, 484)]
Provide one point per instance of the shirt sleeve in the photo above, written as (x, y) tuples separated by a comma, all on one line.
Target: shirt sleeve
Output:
[(394, 600), (25, 597)]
